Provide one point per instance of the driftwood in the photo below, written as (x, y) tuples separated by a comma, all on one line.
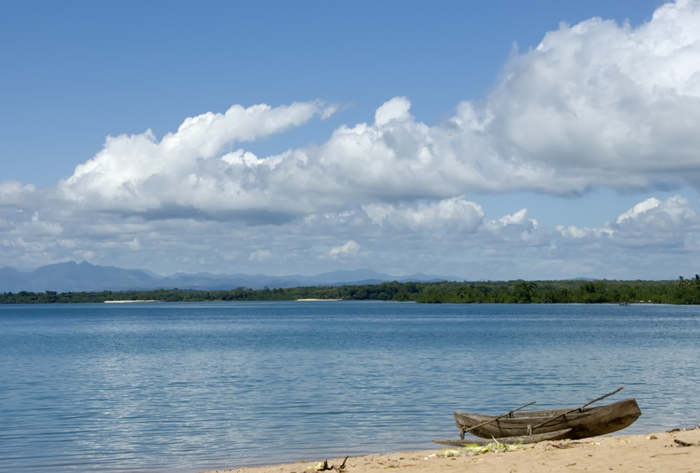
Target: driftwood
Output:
[(463, 431), (326, 467), (683, 443), (577, 409)]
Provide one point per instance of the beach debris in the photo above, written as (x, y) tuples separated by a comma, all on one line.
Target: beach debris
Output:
[(683, 443), (473, 449), (449, 453), (561, 445), (323, 466)]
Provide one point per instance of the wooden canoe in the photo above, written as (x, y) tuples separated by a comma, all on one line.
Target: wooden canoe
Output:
[(556, 435), (586, 422)]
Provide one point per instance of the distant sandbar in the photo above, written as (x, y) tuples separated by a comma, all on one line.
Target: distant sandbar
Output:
[(316, 300), (126, 302)]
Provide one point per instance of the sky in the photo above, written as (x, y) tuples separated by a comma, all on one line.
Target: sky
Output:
[(480, 140)]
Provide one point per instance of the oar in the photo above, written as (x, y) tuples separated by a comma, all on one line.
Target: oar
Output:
[(462, 432), (576, 409)]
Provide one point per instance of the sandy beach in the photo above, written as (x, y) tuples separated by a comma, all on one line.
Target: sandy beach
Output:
[(674, 451)]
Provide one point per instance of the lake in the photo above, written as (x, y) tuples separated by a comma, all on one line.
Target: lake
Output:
[(188, 387)]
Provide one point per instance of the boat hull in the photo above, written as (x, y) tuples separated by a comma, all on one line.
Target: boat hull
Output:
[(587, 422)]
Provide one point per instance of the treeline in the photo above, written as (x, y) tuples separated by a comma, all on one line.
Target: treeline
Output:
[(681, 291)]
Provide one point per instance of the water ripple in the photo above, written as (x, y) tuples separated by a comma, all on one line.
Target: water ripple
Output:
[(191, 387)]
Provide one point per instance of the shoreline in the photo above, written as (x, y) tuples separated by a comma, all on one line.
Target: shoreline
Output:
[(674, 450)]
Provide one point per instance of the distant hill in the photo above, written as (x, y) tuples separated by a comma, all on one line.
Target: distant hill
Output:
[(70, 276), (74, 277)]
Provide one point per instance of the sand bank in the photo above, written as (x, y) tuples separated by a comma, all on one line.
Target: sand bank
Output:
[(317, 300), (660, 452), (128, 302)]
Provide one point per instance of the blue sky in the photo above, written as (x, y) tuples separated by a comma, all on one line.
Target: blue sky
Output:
[(483, 140)]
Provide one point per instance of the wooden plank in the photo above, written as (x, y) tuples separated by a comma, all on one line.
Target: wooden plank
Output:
[(520, 440)]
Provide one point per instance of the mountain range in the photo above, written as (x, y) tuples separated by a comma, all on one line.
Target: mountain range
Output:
[(74, 277)]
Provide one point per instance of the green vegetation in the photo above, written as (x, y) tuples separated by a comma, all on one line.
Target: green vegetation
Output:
[(681, 291)]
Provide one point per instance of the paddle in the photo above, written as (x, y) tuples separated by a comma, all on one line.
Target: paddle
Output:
[(576, 409), (462, 432)]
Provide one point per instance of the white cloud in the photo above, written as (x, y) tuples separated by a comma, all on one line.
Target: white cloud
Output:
[(393, 238), (455, 214), (15, 193), (241, 156), (614, 104), (395, 109), (350, 248), (517, 230), (673, 215), (518, 218), (138, 174), (639, 209), (652, 222), (454, 228), (574, 232), (260, 255), (596, 104)]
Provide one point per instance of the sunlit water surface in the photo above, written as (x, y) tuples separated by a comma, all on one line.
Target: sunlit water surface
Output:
[(193, 387)]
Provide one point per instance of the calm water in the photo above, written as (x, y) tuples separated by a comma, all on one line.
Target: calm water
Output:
[(193, 387)]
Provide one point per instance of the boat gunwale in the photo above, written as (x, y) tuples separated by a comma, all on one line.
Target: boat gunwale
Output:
[(545, 412)]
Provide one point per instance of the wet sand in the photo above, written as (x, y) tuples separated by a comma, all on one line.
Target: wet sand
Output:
[(658, 452)]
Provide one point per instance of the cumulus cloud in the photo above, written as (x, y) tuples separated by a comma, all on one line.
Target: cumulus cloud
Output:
[(193, 168), (614, 104), (15, 193), (596, 104), (672, 215), (448, 237), (35, 226), (348, 249), (574, 232), (651, 222), (455, 214), (638, 210), (517, 228), (454, 226)]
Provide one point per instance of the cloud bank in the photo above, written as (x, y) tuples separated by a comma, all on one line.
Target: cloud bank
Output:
[(594, 105)]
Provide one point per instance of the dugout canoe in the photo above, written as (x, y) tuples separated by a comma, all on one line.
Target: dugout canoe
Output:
[(583, 422)]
